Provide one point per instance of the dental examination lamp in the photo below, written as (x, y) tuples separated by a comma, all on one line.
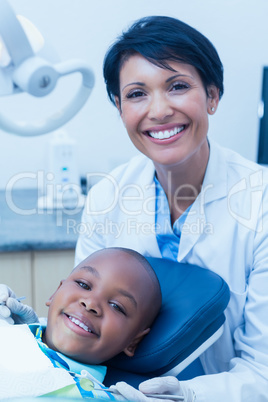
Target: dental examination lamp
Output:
[(21, 70)]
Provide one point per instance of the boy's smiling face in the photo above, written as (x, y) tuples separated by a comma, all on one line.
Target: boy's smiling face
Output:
[(101, 309)]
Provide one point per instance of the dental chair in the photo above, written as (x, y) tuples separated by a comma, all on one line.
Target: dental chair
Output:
[(191, 319)]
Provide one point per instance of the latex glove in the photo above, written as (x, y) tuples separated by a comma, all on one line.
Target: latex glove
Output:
[(123, 391), (4, 322), (13, 310), (5, 313), (168, 385), (160, 385)]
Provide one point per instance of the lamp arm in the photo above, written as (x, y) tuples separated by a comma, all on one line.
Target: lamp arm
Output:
[(65, 114), (36, 76), (15, 39)]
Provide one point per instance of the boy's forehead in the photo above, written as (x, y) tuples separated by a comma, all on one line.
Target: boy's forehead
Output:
[(109, 258), (120, 263), (87, 268)]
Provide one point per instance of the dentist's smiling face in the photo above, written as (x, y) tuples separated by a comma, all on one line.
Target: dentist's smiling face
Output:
[(165, 112), (101, 308)]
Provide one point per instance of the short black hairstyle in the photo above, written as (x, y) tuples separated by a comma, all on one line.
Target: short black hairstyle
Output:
[(161, 39)]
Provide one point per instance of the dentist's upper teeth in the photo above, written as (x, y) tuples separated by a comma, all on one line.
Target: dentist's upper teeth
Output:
[(79, 323), (166, 134)]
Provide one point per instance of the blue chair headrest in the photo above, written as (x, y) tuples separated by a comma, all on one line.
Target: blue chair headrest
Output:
[(194, 300)]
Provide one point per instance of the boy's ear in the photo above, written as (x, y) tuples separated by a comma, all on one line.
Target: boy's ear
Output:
[(130, 349), (48, 302)]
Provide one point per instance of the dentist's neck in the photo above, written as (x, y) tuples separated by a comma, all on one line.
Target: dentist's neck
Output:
[(183, 182)]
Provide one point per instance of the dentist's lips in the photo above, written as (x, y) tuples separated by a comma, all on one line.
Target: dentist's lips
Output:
[(166, 134), (80, 325)]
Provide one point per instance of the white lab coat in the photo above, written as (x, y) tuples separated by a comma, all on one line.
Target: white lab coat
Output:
[(226, 231)]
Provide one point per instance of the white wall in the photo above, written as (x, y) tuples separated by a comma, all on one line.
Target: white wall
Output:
[(85, 28)]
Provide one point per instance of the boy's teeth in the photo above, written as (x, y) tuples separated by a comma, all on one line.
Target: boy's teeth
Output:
[(80, 324), (160, 135)]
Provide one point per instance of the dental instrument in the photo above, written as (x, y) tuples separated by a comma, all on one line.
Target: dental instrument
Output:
[(17, 298), (156, 396), (21, 70), (86, 374)]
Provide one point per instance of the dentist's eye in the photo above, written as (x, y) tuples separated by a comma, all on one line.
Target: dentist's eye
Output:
[(135, 94), (117, 308), (180, 86)]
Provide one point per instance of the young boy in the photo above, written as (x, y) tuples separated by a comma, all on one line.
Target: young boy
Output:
[(105, 307)]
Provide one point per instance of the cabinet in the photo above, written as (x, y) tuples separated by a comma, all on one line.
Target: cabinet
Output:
[(36, 246), (35, 274)]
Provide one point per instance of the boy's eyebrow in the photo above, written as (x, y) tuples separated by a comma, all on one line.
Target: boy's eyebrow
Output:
[(91, 269), (125, 293)]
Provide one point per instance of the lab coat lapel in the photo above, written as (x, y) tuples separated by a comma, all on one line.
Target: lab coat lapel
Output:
[(214, 187), (147, 220), (139, 207)]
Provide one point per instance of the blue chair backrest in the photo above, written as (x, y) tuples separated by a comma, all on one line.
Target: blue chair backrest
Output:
[(194, 300)]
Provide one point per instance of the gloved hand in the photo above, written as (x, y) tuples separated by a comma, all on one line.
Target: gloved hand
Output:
[(160, 385), (5, 313), (5, 321), (14, 311)]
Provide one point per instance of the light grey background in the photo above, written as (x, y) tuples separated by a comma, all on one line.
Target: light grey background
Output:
[(85, 28)]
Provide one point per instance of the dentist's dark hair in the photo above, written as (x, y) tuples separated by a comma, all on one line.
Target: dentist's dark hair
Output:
[(162, 39)]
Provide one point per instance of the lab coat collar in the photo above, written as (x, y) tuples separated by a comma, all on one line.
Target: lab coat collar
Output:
[(139, 183), (214, 187), (215, 181)]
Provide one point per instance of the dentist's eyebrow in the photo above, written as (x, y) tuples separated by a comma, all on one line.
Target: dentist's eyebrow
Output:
[(92, 270), (134, 83), (168, 80), (178, 75), (129, 296)]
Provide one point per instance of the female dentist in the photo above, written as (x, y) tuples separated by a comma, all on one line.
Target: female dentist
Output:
[(187, 199)]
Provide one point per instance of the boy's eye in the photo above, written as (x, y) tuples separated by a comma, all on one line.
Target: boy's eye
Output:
[(83, 285), (117, 308)]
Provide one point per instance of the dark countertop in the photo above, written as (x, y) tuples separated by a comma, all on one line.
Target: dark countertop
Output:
[(24, 227)]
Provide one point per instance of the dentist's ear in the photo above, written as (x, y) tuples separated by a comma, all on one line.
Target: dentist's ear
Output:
[(48, 302), (130, 349), (213, 99), (118, 104)]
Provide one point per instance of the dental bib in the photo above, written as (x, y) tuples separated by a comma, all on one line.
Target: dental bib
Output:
[(24, 369)]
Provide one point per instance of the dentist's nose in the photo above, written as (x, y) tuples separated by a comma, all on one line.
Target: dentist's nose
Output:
[(159, 108), (91, 305)]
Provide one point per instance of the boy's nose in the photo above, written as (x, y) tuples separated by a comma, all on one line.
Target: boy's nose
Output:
[(91, 305)]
